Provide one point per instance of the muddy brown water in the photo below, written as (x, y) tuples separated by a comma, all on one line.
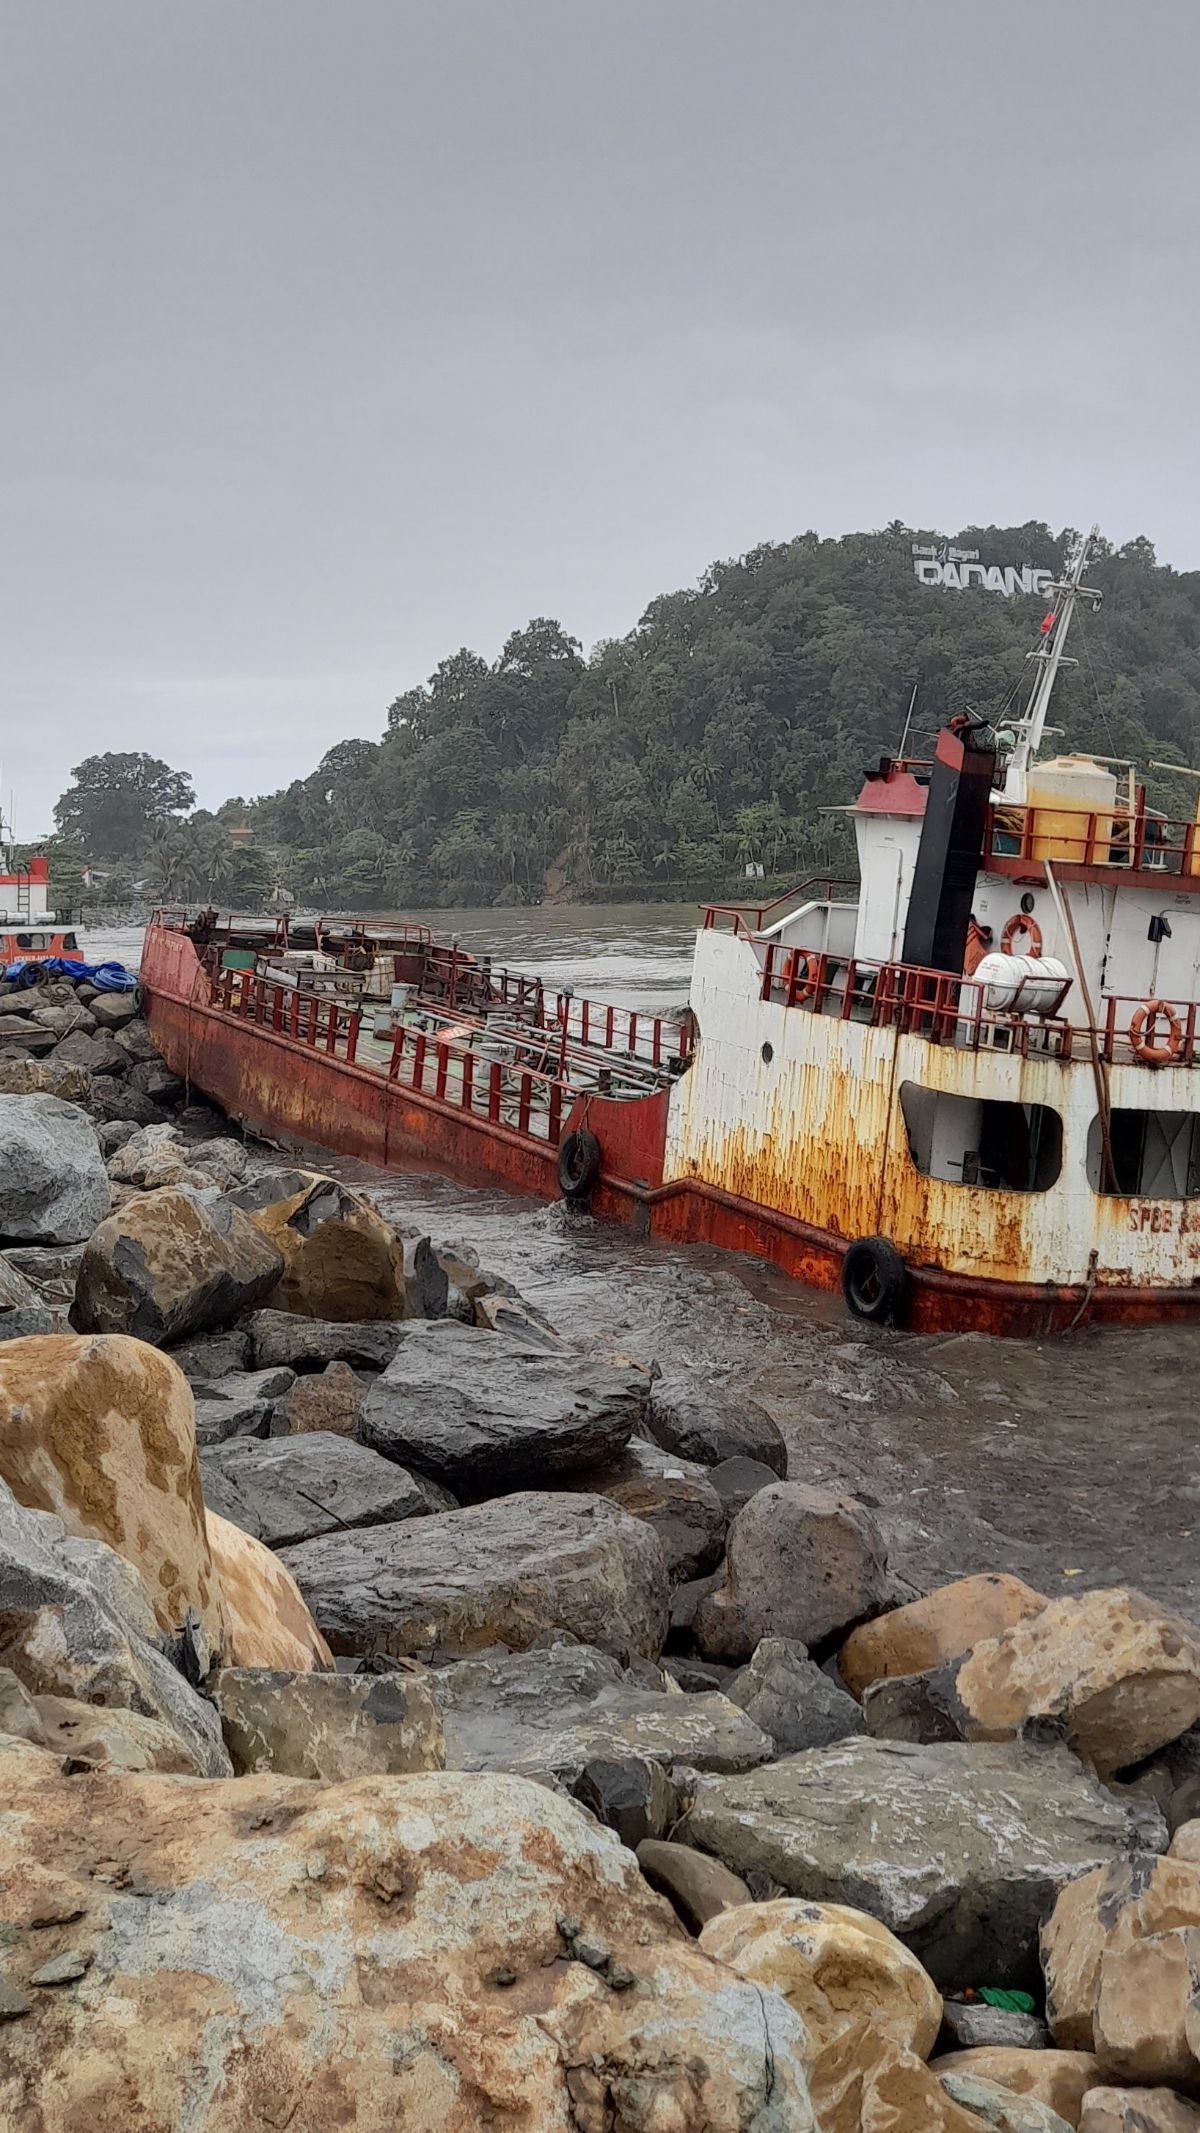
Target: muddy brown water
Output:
[(1070, 1462)]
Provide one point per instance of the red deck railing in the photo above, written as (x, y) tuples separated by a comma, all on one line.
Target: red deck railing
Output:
[(950, 1010), (1108, 837), (749, 919)]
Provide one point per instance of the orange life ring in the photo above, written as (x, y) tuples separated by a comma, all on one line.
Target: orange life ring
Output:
[(799, 989), (1020, 922), (1142, 1031)]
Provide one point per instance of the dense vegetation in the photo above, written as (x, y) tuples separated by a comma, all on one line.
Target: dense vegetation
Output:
[(716, 735)]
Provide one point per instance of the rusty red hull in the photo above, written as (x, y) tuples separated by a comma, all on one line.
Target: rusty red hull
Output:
[(291, 1092)]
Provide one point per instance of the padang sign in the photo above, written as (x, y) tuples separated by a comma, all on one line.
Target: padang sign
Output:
[(960, 567)]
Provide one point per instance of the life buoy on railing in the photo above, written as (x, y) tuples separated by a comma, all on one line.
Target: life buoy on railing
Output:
[(1020, 922), (800, 976), (1144, 1038)]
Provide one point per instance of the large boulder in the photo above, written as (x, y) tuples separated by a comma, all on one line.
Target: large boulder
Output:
[(430, 1951), (53, 1187), (100, 1054), (268, 1624), (959, 1849), (1057, 2080), (76, 1621), (671, 1495), (1102, 1912), (481, 1412), (499, 1573), (289, 1488), (100, 1431), (310, 1343), (712, 1423), (833, 1965), (548, 1713), (800, 1563), (1121, 1676), (1147, 2019), (1000, 2108), (25, 1076), (792, 1699), (341, 1260), (115, 1010), (862, 2081), (169, 1264), (97, 1737), (931, 1631), (328, 1726)]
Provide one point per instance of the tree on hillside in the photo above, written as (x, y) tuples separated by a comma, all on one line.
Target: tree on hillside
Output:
[(115, 803)]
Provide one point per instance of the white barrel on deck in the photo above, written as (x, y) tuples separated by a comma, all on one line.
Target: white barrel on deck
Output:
[(1024, 984)]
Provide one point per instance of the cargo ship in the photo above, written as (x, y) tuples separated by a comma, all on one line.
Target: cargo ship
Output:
[(964, 1091)]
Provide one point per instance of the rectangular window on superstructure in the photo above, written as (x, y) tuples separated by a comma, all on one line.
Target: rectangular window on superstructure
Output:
[(1155, 1154), (970, 1140)]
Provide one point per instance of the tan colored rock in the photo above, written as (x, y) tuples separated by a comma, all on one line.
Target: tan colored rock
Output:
[(932, 1631), (269, 1624), (1138, 2111), (1108, 1909), (102, 1739), (862, 2082), (1185, 1844), (341, 1259), (832, 1965), (393, 1955), (1147, 2019), (1059, 2079), (100, 1430), (1123, 1674), (329, 1399), (171, 1263)]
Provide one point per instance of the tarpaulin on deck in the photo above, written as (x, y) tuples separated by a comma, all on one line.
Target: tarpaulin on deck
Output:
[(106, 977)]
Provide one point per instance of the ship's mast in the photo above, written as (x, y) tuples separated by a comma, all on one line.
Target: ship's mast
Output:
[(1047, 657)]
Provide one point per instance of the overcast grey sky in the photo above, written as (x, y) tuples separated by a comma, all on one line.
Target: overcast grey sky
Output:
[(339, 333)]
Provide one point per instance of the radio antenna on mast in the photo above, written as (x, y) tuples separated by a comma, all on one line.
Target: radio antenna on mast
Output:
[(1047, 657), (912, 705)]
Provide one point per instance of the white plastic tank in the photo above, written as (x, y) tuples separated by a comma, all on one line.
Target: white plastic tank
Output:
[(1021, 984)]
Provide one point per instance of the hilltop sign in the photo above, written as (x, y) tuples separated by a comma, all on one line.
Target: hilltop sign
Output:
[(960, 567)]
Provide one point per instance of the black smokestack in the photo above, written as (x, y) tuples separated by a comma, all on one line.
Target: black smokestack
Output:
[(951, 847)]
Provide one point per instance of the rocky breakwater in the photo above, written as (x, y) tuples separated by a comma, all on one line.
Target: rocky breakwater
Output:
[(410, 1716)]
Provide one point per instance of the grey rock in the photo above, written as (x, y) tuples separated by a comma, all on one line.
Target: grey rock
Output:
[(244, 1384), (799, 1563), (111, 1097), (913, 1707), (170, 1263), (711, 1423), (328, 1726), (112, 1133), (481, 1413), (687, 1598), (100, 1054), (75, 1621), (959, 1849), (52, 1269), (53, 1185), (309, 1343), (672, 1495), (64, 1969), (23, 1309), (21, 1036), (500, 1573), (426, 1287), (1001, 2108), (694, 1678), (214, 1355), (628, 1794), (289, 1488), (61, 1021), (793, 1699), (13, 2002), (156, 1081), (136, 1042), (35, 1318), (553, 1711), (970, 2025), (221, 1421), (115, 1010), (19, 1716), (737, 1480)]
